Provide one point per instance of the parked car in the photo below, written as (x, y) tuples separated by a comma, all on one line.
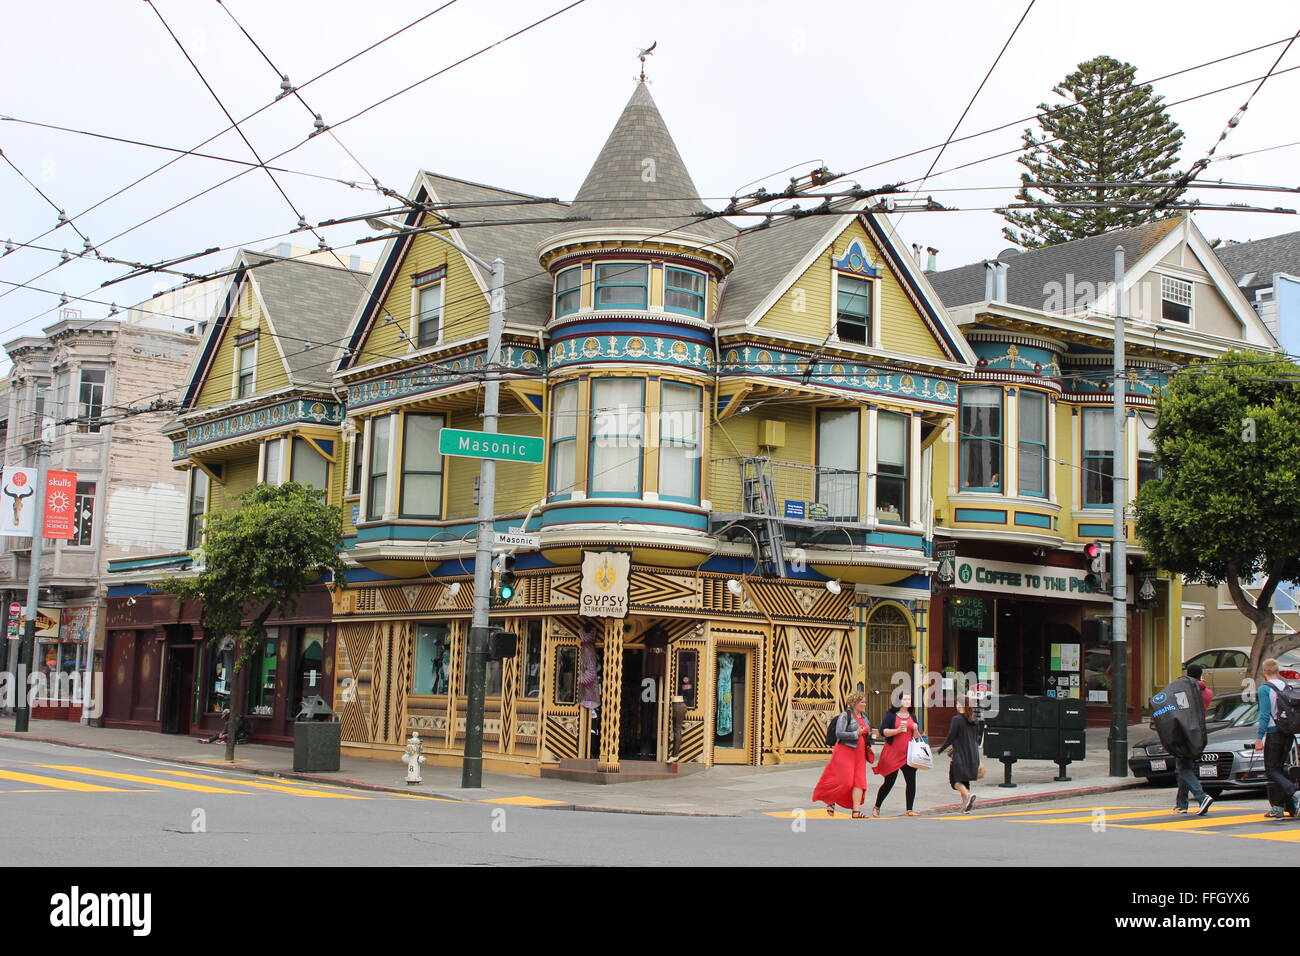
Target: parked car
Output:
[(1227, 763), (1224, 668)]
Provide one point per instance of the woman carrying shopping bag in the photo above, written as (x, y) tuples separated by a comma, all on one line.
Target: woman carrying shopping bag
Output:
[(964, 736), (899, 728), (844, 781)]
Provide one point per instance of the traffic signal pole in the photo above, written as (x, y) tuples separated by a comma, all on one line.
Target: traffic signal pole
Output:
[(1119, 548), (471, 774)]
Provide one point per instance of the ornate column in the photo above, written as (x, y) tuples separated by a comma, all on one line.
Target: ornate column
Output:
[(611, 697)]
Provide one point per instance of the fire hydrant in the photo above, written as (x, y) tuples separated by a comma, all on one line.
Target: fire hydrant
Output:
[(413, 759)]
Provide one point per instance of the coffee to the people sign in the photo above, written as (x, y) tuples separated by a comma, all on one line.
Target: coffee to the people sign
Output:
[(604, 584)]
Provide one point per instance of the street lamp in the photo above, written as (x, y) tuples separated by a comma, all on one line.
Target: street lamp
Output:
[(472, 764)]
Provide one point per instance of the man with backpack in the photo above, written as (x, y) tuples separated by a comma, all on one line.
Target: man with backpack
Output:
[(1279, 721)]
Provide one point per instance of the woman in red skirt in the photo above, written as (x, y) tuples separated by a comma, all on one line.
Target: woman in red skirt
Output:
[(844, 781)]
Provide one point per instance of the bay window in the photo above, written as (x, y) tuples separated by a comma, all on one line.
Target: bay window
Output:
[(837, 462), (684, 292), (273, 461), (568, 291), (981, 439), (1098, 457), (1146, 452), (1032, 428), (621, 285), (679, 442), (380, 435), (564, 439), (421, 494), (616, 437), (198, 506), (891, 467), (308, 466), (92, 399)]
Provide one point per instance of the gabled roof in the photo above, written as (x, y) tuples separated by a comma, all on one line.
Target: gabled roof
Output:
[(309, 307), (1263, 258), (622, 186), (766, 257), (1029, 273)]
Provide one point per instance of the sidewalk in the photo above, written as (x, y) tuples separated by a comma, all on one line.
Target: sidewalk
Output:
[(719, 791)]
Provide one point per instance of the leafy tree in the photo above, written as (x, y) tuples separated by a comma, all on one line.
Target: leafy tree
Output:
[(257, 560), (1224, 509), (1110, 131)]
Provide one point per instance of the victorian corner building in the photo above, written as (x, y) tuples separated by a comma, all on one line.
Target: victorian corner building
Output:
[(751, 446)]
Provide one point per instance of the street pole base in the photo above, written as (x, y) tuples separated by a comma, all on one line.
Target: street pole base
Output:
[(1006, 768)]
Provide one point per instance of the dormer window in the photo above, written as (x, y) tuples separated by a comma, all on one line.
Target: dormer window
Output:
[(245, 382), (1175, 300), (427, 288), (853, 310), (684, 292), (621, 285), (568, 291)]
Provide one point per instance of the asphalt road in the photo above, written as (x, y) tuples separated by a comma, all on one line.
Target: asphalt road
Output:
[(63, 806)]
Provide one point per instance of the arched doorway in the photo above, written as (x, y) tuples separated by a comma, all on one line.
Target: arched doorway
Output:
[(889, 651)]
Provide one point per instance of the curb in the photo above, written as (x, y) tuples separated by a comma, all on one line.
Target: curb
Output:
[(1039, 797)]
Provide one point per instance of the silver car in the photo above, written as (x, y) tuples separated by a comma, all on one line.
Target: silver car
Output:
[(1229, 761)]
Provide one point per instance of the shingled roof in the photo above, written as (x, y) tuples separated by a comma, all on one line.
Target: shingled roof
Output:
[(622, 187), (1030, 272), (1258, 261)]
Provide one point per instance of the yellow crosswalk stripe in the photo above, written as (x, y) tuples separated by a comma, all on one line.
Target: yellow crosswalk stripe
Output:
[(525, 801), (57, 782), (1109, 818), (134, 778), (1283, 835), (1195, 823), (295, 791), (1027, 813)]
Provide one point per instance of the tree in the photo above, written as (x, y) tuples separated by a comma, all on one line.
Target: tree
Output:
[(1224, 509), (1110, 131), (257, 560)]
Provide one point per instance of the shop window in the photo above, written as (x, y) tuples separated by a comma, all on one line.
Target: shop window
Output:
[(532, 659), (221, 675), (684, 292), (679, 442), (564, 439), (1032, 427), (568, 291), (273, 462), (1098, 457), (83, 528), (247, 371), (432, 659), (1146, 452), (837, 462), (1098, 660), (309, 467), (852, 309), (891, 467), (421, 467), (92, 399), (309, 676), (621, 285), (616, 437), (688, 667), (981, 439), (261, 676), (566, 674), (199, 483), (377, 499)]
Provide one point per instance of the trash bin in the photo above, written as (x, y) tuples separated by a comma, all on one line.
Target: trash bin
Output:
[(317, 737)]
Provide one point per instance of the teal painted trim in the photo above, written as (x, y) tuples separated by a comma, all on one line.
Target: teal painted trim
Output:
[(662, 349), (614, 512), (774, 363), (1031, 520), (893, 539), (1096, 530), (436, 376), (982, 515), (286, 413), (444, 533), (139, 564)]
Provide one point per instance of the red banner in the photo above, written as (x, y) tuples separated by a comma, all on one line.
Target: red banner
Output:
[(60, 501)]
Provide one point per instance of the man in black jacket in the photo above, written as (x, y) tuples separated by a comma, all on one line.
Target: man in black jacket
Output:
[(1186, 767)]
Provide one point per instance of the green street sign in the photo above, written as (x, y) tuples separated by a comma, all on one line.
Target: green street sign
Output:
[(456, 441)]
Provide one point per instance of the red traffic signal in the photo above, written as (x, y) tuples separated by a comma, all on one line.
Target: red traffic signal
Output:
[(1091, 550)]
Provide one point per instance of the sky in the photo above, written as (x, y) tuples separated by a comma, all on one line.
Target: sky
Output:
[(748, 89)]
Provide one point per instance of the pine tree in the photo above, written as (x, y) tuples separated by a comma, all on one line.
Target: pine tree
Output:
[(1114, 132)]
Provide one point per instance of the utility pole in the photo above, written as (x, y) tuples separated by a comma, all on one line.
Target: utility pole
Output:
[(1119, 549), (471, 773), (27, 645)]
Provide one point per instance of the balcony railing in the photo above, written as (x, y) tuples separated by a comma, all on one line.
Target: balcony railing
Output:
[(787, 490)]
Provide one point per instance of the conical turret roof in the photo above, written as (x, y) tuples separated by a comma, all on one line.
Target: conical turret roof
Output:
[(639, 173)]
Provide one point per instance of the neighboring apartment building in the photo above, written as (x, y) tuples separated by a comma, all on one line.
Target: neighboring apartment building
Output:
[(746, 419), (128, 499), (1027, 481), (258, 405), (1268, 272)]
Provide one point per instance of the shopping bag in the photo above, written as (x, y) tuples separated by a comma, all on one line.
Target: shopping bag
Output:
[(919, 755)]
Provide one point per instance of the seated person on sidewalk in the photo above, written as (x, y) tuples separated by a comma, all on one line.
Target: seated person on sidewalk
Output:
[(241, 732)]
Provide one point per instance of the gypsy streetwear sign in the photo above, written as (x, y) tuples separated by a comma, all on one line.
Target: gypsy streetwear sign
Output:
[(605, 576), (1027, 579)]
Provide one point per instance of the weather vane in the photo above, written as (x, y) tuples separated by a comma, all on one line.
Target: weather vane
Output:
[(642, 54)]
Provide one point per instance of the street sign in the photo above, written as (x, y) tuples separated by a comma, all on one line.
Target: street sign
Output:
[(467, 444), (514, 539)]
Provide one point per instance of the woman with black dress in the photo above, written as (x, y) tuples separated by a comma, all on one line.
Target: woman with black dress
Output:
[(964, 736)]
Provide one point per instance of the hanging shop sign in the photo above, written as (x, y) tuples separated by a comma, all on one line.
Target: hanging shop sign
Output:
[(1029, 580), (605, 577), (78, 624)]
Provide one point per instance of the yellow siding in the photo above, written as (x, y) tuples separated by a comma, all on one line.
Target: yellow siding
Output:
[(458, 473), (518, 485), (219, 385), (738, 437), (241, 475), (806, 308), (338, 477), (464, 312)]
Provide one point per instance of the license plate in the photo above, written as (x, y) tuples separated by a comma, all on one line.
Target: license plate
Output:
[(1163, 765), (1209, 770)]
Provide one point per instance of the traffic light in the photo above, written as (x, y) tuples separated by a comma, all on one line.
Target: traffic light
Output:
[(502, 644), (503, 578), (1096, 576)]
